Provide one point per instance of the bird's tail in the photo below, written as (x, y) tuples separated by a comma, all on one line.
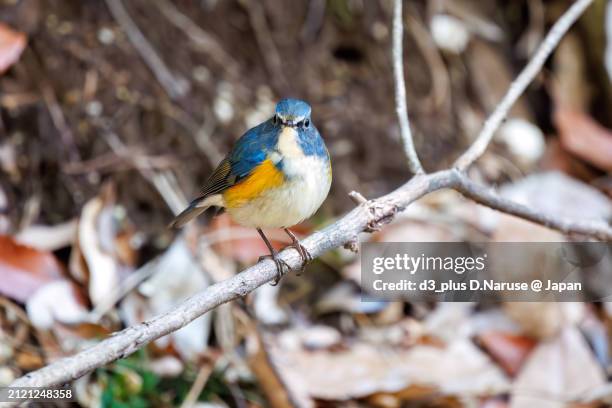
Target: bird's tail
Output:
[(195, 208)]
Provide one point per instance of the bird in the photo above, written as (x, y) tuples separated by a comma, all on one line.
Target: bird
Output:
[(276, 175)]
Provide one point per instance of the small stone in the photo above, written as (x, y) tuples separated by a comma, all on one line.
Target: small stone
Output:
[(524, 140), (201, 74), (449, 33), (223, 110), (6, 351), (320, 337), (7, 376), (223, 105), (65, 28), (380, 31), (94, 108), (51, 21), (106, 36)]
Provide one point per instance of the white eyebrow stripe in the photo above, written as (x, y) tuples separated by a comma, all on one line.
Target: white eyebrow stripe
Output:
[(294, 122)]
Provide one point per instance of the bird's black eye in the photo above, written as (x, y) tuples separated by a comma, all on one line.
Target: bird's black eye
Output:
[(306, 123)]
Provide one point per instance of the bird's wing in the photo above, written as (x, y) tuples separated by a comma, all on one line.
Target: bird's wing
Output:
[(221, 179), (248, 153)]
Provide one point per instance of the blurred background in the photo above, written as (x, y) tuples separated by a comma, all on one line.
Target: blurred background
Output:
[(113, 113)]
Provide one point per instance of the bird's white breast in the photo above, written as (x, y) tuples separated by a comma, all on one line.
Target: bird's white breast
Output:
[(308, 179)]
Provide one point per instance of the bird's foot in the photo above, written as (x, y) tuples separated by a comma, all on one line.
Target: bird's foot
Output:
[(304, 254), (280, 266)]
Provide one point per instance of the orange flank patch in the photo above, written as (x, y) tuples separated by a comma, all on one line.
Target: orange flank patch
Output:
[(264, 177)]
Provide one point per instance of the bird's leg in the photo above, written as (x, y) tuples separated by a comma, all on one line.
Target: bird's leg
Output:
[(295, 243), (280, 264)]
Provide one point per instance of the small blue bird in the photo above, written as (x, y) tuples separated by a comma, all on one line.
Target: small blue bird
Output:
[(277, 175)]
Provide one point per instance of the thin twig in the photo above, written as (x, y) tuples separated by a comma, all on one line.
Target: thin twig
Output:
[(175, 87), (315, 15), (400, 90), (265, 41), (357, 197), (439, 94), (203, 40), (197, 386), (200, 133), (520, 83), (11, 101), (483, 195), (163, 181), (112, 162), (59, 121), (130, 283)]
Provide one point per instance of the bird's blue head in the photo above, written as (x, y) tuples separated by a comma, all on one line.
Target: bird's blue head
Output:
[(292, 112), (295, 114)]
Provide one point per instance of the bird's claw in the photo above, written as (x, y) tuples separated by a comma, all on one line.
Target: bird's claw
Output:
[(280, 264), (304, 254)]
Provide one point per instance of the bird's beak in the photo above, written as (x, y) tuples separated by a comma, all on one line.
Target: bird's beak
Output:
[(290, 123)]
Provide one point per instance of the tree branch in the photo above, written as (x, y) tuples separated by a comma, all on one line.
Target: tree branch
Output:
[(369, 216), (484, 196), (203, 40), (175, 87), (121, 344), (520, 83), (400, 90)]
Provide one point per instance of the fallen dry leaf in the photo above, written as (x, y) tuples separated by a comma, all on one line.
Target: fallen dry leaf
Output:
[(279, 395), (167, 366), (315, 337), (544, 320), (495, 403), (365, 369), (176, 276), (508, 349), (102, 255), (557, 372), (244, 244), (416, 231), (346, 297), (584, 137), (49, 237), (571, 87), (25, 269), (266, 307), (57, 301), (12, 44), (26, 360), (491, 78), (557, 194), (102, 265), (87, 330), (75, 336), (449, 321), (552, 193), (557, 158)]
